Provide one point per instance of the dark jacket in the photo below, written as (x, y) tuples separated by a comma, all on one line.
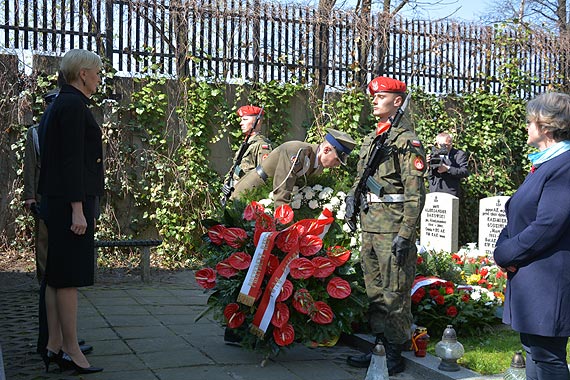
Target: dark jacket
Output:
[(536, 240), (449, 182), (72, 153)]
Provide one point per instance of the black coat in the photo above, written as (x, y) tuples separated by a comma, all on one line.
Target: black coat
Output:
[(449, 182), (72, 155)]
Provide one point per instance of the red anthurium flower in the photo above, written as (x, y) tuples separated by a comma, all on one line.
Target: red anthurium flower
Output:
[(338, 288), (301, 268), (324, 267), (451, 311), (283, 214), (240, 260), (263, 223), (310, 227), (252, 210), (418, 295), (225, 269), (235, 237), (206, 278), (288, 241), (339, 255), (216, 234), (285, 335), (439, 300), (280, 315), (323, 314), (309, 245), (286, 291), (272, 264), (302, 301), (234, 317)]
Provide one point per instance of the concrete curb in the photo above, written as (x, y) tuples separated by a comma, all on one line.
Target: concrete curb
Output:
[(425, 367)]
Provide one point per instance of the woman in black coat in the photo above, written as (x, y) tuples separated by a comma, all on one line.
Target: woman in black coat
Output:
[(71, 181), (534, 247)]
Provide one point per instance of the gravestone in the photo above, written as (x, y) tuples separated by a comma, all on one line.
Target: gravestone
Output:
[(492, 219), (439, 223)]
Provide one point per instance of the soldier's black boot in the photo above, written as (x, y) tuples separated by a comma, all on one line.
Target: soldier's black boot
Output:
[(394, 359), (363, 361)]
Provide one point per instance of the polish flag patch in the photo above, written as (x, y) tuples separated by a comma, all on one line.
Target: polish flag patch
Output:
[(416, 143), (265, 147)]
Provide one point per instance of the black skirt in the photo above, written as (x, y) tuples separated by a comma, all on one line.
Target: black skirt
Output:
[(70, 260)]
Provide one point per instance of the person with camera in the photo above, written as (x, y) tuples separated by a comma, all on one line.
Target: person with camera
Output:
[(447, 166), (389, 210)]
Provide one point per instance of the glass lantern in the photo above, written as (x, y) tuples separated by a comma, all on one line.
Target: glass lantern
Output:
[(449, 350), (517, 370)]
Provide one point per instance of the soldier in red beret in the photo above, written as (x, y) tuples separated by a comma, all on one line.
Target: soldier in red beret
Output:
[(395, 196), (257, 147)]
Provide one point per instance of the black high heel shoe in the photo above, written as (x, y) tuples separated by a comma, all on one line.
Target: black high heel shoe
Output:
[(50, 357), (67, 362)]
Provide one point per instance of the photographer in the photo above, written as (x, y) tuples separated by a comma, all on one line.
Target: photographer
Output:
[(446, 166)]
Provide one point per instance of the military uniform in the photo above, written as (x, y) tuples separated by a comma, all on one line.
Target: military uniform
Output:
[(258, 149), (396, 213), (287, 163)]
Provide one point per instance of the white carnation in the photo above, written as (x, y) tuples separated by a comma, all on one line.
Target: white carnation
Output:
[(340, 214), (309, 193), (326, 193), (298, 197), (317, 187), (296, 204), (265, 202), (295, 189), (476, 296), (313, 204), (329, 206), (341, 194), (346, 228), (335, 201)]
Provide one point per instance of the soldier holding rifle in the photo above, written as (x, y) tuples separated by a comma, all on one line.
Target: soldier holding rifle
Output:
[(254, 149), (388, 195)]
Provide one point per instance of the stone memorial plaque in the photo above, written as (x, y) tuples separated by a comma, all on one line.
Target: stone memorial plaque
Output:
[(492, 219), (439, 222)]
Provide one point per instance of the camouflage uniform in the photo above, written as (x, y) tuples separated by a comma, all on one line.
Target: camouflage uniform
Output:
[(285, 164), (258, 149), (388, 285)]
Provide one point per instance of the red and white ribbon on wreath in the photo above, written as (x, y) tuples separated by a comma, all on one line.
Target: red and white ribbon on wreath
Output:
[(266, 307), (252, 284), (422, 281)]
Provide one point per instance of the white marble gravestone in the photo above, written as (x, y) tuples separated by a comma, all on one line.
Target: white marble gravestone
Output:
[(439, 223), (492, 219)]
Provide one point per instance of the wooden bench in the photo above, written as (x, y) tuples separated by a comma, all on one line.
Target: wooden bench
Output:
[(145, 251)]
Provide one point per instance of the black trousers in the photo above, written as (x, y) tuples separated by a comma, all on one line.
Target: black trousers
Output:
[(545, 357), (42, 320)]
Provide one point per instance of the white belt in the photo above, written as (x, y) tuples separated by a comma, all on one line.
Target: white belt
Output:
[(386, 198)]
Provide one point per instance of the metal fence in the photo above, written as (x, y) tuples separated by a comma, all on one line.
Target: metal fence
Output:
[(250, 41)]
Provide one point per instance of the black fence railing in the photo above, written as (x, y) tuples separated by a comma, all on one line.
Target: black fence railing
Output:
[(250, 41)]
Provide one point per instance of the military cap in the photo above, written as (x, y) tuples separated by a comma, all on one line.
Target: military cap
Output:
[(249, 110), (50, 96), (342, 143), (385, 84)]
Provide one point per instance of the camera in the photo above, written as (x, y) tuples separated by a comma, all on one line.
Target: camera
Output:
[(437, 155)]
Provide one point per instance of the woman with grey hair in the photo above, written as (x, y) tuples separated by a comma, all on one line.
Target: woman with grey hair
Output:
[(534, 246), (71, 181)]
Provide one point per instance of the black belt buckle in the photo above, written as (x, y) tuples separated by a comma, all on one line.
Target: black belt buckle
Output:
[(261, 173)]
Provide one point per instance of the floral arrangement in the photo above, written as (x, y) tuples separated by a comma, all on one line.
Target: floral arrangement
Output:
[(464, 289), (277, 279)]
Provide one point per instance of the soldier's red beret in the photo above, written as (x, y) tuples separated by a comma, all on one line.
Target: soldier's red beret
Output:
[(249, 110), (385, 84)]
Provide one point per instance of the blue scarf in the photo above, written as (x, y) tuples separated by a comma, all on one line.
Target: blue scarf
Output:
[(542, 156)]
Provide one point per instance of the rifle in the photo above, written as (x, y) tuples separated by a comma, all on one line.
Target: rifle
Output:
[(367, 183), (242, 149)]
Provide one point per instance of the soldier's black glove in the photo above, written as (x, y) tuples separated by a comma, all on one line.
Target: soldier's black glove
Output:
[(226, 190), (401, 249), (349, 216)]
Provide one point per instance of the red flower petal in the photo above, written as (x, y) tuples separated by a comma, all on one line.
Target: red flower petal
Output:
[(301, 268), (451, 311), (434, 293), (323, 313), (272, 264), (338, 288), (283, 214), (280, 315), (252, 210), (309, 245), (324, 267), (240, 260), (284, 336), (225, 269), (288, 241), (206, 278), (339, 255), (216, 234), (235, 237), (234, 317), (310, 227), (286, 291), (302, 301), (439, 300)]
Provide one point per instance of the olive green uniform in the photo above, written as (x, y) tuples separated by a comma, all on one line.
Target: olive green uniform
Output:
[(258, 149), (285, 164), (396, 213)]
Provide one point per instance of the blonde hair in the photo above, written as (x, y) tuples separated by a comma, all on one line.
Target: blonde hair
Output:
[(551, 112), (76, 60)]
